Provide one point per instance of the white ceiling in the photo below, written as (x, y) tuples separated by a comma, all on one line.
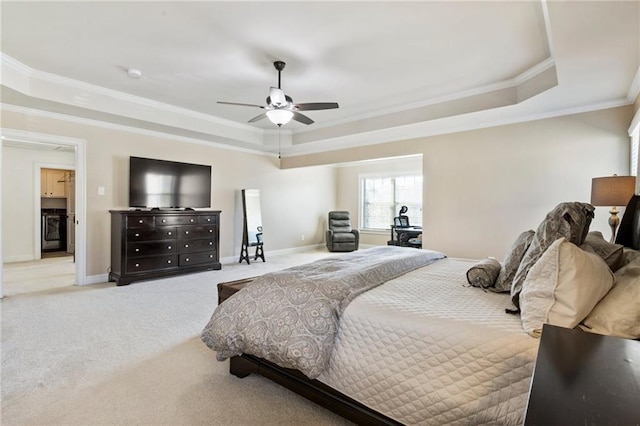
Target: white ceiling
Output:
[(397, 69)]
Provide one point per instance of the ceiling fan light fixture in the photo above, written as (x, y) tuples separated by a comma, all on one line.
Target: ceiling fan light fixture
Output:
[(279, 116)]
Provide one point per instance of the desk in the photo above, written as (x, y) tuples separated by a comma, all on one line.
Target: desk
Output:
[(582, 378), (401, 236)]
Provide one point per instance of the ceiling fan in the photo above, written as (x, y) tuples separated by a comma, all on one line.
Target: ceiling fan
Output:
[(280, 108)]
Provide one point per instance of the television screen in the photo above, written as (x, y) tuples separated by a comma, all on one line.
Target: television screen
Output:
[(168, 184)]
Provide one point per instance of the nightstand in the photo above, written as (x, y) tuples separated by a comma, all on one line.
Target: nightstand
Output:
[(582, 378)]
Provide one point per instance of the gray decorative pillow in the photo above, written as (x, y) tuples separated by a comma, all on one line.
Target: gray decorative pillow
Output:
[(612, 254), (512, 261), (484, 273), (568, 220)]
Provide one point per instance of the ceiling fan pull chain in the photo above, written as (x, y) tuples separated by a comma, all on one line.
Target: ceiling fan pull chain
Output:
[(279, 130)]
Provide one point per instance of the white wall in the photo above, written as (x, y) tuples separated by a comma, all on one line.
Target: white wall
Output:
[(19, 213)]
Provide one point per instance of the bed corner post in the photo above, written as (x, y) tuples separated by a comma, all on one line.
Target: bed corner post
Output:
[(241, 367)]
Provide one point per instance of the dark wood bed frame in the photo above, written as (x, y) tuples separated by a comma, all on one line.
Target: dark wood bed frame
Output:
[(314, 390)]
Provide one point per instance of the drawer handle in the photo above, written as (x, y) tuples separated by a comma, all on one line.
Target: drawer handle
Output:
[(191, 220), (210, 243), (186, 232), (169, 233), (210, 256), (186, 246), (208, 219), (210, 230), (137, 235), (140, 221), (137, 250), (169, 248), (187, 259), (137, 265), (164, 220), (168, 261)]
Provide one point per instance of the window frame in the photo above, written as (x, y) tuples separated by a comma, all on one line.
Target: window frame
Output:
[(382, 175)]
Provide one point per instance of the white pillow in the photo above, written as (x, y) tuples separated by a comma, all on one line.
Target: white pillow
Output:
[(618, 313), (562, 287)]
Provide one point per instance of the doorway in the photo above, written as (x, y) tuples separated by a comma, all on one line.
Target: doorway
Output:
[(35, 142)]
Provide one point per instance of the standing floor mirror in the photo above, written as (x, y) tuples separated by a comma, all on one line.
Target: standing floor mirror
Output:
[(252, 232)]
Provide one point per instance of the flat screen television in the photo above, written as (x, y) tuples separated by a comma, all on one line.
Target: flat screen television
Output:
[(168, 184)]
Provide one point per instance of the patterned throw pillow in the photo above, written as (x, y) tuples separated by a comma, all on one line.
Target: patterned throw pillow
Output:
[(612, 254), (512, 261), (484, 273)]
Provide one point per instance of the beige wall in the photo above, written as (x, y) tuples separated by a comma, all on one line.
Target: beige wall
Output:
[(19, 213), (294, 202), (483, 187)]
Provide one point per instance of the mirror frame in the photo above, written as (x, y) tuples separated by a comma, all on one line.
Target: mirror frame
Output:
[(251, 214)]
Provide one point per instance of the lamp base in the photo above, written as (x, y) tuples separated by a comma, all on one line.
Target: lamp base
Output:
[(614, 221)]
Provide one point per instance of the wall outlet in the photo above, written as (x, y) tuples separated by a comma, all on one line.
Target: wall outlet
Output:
[(302, 237)]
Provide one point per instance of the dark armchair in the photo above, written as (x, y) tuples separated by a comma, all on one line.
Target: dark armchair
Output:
[(340, 235)]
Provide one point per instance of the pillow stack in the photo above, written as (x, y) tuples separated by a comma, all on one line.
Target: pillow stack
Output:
[(564, 275), (568, 220)]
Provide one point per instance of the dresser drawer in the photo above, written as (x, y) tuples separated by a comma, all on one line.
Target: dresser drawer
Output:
[(176, 220), (192, 246), (197, 231), (140, 222), (197, 258), (209, 219), (151, 263), (151, 249), (151, 234)]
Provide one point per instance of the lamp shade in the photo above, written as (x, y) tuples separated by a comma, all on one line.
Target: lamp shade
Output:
[(279, 116), (612, 190)]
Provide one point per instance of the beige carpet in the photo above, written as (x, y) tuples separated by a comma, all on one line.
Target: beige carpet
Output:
[(131, 355)]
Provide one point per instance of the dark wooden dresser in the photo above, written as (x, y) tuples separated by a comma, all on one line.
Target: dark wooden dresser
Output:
[(582, 378), (155, 244)]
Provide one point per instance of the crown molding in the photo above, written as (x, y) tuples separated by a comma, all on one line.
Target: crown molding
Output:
[(120, 127), (443, 126), (634, 89)]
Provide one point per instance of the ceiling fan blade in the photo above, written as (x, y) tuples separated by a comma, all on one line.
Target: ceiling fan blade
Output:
[(239, 104), (316, 106), (301, 118), (258, 117), (277, 97)]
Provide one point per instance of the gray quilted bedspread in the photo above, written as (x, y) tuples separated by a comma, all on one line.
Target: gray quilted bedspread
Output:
[(291, 317)]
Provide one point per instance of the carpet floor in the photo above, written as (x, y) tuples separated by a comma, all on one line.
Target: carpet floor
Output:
[(132, 355)]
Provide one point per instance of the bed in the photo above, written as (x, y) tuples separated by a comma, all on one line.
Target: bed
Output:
[(422, 347)]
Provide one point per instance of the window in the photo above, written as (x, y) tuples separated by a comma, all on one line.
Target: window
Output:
[(382, 197), (635, 142)]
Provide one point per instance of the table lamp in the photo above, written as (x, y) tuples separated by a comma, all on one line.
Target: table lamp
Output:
[(612, 191)]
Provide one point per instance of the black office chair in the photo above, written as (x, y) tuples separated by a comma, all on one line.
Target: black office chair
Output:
[(402, 220), (408, 238)]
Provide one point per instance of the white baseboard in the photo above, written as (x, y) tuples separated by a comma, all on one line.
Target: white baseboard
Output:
[(95, 279)]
